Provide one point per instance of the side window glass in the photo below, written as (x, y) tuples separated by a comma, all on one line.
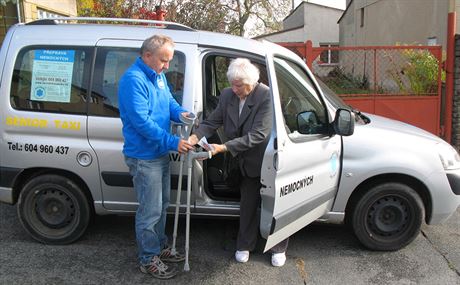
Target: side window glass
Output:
[(303, 110), (51, 80), (111, 64), (175, 76), (221, 67), (216, 80)]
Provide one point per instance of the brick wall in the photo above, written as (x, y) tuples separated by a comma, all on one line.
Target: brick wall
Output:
[(456, 104)]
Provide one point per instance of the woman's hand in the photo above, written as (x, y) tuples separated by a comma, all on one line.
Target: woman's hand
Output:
[(193, 139), (218, 148)]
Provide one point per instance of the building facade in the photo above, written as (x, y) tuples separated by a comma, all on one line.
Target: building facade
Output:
[(15, 11), (309, 21), (389, 22)]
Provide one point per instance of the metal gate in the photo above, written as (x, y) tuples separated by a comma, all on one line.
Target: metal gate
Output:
[(398, 82)]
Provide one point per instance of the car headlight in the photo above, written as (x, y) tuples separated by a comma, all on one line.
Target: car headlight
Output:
[(449, 157)]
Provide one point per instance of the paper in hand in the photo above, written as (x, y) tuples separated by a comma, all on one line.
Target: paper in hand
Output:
[(204, 144)]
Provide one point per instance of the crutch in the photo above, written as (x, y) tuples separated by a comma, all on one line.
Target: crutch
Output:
[(183, 130), (191, 156)]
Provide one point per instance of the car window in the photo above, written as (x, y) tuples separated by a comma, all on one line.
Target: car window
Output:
[(303, 111), (49, 79), (111, 64)]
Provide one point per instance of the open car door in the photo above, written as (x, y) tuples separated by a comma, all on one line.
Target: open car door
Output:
[(301, 166)]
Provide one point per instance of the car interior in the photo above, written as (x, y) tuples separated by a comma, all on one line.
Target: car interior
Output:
[(219, 184)]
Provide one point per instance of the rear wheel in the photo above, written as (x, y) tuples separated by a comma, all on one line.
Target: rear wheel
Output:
[(53, 209), (388, 216)]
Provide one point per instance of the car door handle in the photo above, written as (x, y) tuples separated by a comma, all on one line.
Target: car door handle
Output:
[(276, 160)]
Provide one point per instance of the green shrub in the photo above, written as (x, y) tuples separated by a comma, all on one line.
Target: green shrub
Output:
[(422, 71), (343, 83), (418, 74)]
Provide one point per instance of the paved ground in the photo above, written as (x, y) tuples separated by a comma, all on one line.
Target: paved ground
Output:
[(319, 254)]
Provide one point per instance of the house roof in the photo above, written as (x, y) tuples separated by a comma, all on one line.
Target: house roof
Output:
[(278, 32)]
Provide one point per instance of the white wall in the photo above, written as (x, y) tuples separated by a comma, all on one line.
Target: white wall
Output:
[(296, 19), (387, 22), (321, 24), (309, 22)]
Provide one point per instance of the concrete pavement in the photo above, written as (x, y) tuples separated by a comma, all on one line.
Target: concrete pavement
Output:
[(319, 254)]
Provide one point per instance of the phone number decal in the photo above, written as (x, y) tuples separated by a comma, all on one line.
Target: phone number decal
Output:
[(41, 148)]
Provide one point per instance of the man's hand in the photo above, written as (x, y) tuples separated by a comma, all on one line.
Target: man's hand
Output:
[(184, 146), (193, 139)]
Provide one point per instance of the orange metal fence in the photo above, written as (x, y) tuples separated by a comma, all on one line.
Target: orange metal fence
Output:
[(399, 82)]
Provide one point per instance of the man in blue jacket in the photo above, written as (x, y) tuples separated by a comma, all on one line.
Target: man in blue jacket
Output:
[(146, 108)]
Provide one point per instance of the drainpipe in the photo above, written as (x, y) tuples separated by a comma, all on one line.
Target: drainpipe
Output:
[(18, 9), (450, 59)]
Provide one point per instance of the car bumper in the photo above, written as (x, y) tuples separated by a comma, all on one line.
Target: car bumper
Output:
[(447, 194), (454, 181), (6, 195)]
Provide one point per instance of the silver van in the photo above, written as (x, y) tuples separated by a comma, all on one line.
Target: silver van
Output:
[(61, 140)]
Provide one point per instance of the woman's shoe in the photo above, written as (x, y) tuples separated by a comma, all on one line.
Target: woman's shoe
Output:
[(278, 259), (242, 256)]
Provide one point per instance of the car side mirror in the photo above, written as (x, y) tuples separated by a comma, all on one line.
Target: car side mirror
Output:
[(344, 122)]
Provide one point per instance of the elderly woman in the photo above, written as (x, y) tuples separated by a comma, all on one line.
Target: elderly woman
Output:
[(245, 112)]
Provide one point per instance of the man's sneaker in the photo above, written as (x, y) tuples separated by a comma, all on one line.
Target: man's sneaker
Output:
[(158, 269), (167, 256), (242, 256), (278, 259)]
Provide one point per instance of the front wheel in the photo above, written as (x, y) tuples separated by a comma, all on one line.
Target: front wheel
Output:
[(388, 216), (53, 209)]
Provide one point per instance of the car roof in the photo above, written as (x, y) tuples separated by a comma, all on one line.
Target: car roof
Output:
[(90, 34)]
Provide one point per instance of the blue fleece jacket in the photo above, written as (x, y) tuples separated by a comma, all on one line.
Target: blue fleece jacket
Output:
[(146, 109)]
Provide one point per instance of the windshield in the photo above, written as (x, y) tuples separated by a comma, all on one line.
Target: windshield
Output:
[(337, 102), (333, 98)]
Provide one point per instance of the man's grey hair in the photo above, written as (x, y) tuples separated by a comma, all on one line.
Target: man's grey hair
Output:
[(242, 69), (155, 42)]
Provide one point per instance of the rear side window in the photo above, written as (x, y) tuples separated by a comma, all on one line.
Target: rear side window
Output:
[(111, 64), (51, 80)]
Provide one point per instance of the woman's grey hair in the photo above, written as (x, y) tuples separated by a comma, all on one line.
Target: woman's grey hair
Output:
[(155, 42), (242, 69)]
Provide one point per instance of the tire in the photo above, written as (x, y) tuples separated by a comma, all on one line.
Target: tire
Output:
[(388, 217), (53, 209)]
